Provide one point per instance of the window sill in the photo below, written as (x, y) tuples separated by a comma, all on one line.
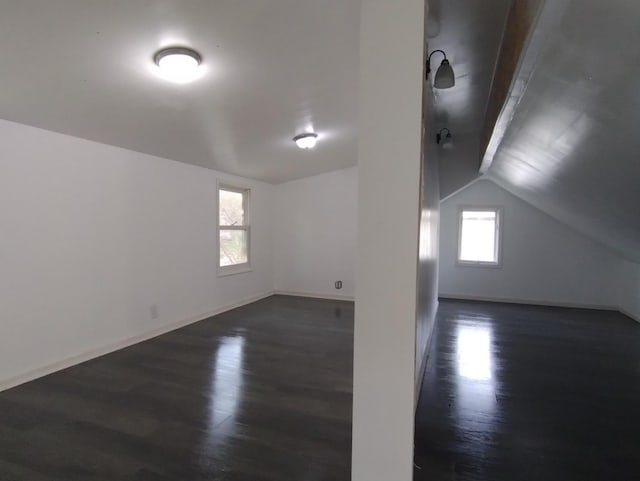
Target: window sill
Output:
[(233, 270), (490, 265)]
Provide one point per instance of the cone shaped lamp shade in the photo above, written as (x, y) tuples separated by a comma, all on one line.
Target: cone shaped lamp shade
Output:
[(445, 78)]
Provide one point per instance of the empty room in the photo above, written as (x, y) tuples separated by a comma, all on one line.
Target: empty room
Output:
[(533, 363), (330, 240)]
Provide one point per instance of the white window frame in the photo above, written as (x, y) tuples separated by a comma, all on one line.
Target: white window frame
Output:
[(246, 192), (498, 236)]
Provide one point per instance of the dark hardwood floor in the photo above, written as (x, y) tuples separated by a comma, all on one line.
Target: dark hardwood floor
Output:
[(530, 393), (262, 392)]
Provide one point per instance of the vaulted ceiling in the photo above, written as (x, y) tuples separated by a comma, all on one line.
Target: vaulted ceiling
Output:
[(566, 140), (566, 143), (273, 69), (571, 146)]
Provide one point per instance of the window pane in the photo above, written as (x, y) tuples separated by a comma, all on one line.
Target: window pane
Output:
[(233, 247), (231, 208), (478, 236)]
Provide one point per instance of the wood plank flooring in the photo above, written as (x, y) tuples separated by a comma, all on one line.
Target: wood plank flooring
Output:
[(262, 392), (519, 393)]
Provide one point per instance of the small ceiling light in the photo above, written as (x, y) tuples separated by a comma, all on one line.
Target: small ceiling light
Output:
[(178, 64), (445, 78), (307, 140), (446, 139)]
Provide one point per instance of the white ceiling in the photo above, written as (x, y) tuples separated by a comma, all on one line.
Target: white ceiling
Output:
[(572, 148), (274, 69)]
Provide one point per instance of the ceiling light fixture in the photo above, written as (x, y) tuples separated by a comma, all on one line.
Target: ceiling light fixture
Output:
[(178, 64), (445, 78), (307, 140), (445, 139)]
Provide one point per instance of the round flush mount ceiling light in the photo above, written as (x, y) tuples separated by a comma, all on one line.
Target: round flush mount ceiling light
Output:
[(306, 141), (178, 64)]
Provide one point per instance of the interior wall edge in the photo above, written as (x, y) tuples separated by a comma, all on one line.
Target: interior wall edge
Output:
[(631, 316), (74, 360), (559, 218), (464, 187), (424, 362)]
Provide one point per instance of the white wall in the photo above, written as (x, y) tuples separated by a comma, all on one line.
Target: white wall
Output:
[(628, 289), (543, 261), (94, 235), (428, 244), (315, 234), (389, 155)]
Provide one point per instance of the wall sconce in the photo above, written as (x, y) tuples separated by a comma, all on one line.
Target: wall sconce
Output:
[(444, 139), (445, 78)]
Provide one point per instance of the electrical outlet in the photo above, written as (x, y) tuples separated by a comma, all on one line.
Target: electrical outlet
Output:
[(153, 312), (338, 284)]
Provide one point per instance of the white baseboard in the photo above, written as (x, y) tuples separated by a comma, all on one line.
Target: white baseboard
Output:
[(121, 344), (532, 302), (315, 295), (423, 367)]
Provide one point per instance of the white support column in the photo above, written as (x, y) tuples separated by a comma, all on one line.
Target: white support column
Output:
[(390, 127)]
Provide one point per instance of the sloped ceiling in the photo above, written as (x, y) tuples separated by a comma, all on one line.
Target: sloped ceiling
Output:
[(470, 33), (571, 147), (273, 69)]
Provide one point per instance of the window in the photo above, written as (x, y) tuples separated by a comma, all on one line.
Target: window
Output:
[(479, 236), (234, 232)]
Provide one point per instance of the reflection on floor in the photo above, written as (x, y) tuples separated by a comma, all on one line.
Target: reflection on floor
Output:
[(530, 393), (258, 393)]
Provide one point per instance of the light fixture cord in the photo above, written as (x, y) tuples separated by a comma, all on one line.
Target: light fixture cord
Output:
[(429, 60)]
